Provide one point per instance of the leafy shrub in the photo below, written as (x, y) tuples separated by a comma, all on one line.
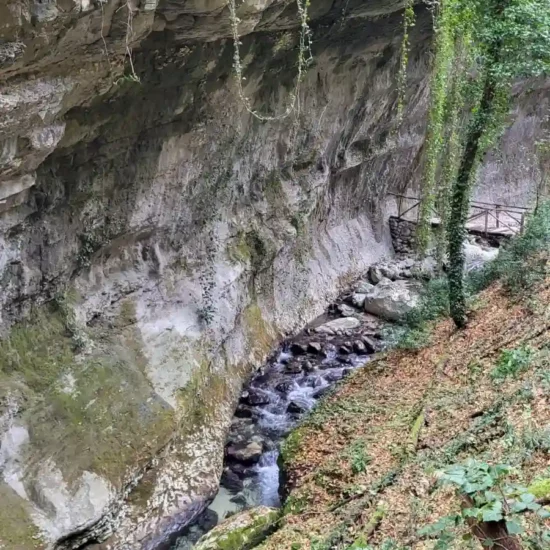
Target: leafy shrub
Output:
[(512, 362)]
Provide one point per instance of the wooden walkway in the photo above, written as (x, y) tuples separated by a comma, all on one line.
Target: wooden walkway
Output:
[(484, 218)]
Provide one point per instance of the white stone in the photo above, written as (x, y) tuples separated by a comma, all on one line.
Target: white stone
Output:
[(391, 300), (338, 325)]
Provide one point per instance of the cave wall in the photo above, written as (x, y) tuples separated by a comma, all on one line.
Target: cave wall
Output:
[(156, 241)]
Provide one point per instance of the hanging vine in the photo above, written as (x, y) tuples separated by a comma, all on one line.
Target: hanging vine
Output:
[(304, 58), (409, 19)]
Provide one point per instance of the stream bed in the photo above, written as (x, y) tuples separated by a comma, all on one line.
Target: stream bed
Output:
[(278, 395)]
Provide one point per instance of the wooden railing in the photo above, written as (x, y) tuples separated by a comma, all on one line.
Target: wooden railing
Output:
[(492, 218)]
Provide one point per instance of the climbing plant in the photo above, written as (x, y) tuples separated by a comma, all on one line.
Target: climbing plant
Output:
[(481, 48), (409, 19), (304, 58)]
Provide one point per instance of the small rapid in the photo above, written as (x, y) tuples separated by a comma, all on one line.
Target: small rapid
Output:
[(274, 401)]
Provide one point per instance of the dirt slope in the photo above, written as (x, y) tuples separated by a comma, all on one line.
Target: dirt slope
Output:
[(363, 467)]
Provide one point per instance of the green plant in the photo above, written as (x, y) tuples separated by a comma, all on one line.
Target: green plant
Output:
[(359, 459), (495, 510), (512, 362)]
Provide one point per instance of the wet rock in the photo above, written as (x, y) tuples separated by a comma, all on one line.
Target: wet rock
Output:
[(370, 345), (294, 367), (308, 366), (334, 364), (244, 530), (332, 377), (345, 310), (345, 360), (315, 348), (338, 325), (346, 372), (345, 348), (239, 500), (320, 392), (314, 381), (243, 411), (285, 387), (390, 272), (296, 408), (231, 480), (359, 347), (298, 349), (245, 453), (255, 397), (392, 300)]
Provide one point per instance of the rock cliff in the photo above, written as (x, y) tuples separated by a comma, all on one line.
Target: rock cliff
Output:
[(156, 240)]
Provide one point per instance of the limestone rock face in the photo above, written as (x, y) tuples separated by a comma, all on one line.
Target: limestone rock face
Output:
[(156, 240)]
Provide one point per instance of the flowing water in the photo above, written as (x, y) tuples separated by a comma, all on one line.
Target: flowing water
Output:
[(276, 398)]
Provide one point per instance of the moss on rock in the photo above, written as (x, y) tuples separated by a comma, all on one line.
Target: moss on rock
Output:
[(242, 531)]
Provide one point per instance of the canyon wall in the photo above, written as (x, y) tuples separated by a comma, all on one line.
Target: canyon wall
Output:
[(156, 240)]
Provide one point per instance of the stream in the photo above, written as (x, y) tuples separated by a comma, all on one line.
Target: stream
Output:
[(278, 395)]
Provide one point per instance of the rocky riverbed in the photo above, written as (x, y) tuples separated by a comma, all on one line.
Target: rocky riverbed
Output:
[(294, 378), (302, 370)]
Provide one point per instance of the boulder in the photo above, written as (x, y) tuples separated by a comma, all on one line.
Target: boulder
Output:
[(390, 272), (359, 347), (246, 453), (255, 397), (375, 275), (363, 287), (285, 387), (315, 348), (370, 345), (358, 299), (231, 480), (298, 349), (345, 348), (295, 407), (392, 300), (241, 531), (338, 325)]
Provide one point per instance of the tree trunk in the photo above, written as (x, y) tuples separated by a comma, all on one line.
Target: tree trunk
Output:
[(460, 201)]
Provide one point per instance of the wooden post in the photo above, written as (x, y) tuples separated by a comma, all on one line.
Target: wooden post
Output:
[(497, 209), (522, 222), (399, 206), (486, 221)]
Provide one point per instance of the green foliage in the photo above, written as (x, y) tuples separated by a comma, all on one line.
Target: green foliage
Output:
[(489, 43), (512, 362), (358, 457), (492, 499)]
